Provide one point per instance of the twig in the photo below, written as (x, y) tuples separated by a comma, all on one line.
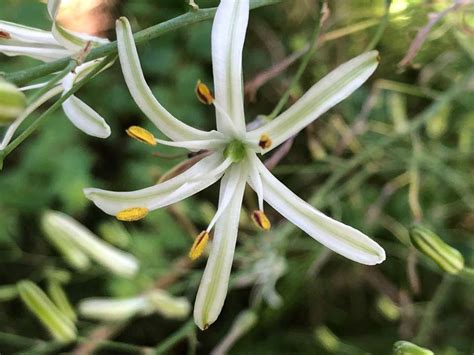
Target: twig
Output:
[(423, 33), (428, 320), (252, 86), (175, 338), (321, 17), (280, 153), (144, 36)]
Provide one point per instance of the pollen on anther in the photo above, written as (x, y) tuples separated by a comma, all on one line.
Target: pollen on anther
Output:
[(199, 245), (141, 134), (132, 214), (204, 94), (265, 142), (261, 220)]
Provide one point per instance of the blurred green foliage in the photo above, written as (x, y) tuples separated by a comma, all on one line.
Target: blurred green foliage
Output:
[(328, 304)]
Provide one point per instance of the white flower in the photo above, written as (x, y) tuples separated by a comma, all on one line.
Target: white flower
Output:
[(16, 40), (232, 156)]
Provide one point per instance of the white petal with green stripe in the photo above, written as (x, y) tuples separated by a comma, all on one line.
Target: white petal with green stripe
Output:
[(142, 94), (337, 236), (329, 91)]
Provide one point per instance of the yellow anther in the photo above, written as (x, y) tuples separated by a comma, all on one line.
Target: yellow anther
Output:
[(198, 246), (265, 142), (141, 134), (261, 220), (204, 94), (132, 214)]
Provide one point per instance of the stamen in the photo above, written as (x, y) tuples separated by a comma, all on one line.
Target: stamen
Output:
[(5, 35), (265, 142), (199, 245), (204, 94), (132, 214), (142, 135), (261, 220)]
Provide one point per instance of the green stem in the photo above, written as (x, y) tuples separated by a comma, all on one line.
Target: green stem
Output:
[(417, 122), (381, 29), (28, 131), (304, 63), (428, 320), (175, 338), (115, 345), (70, 67), (25, 76)]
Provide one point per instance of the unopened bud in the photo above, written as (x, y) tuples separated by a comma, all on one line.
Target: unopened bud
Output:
[(110, 309), (73, 255), (387, 308), (406, 348), (8, 292), (115, 260), (169, 305), (60, 299), (12, 102), (60, 327), (327, 339), (446, 257)]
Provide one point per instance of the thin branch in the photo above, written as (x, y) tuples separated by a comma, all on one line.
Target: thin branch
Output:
[(424, 32), (144, 36)]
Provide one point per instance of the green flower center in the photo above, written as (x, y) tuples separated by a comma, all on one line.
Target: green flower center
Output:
[(235, 150)]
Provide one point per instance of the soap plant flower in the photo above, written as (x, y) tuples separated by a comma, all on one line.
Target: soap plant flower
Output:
[(231, 156)]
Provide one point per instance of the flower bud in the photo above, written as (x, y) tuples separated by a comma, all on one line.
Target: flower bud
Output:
[(448, 259), (388, 308), (60, 299), (12, 102), (71, 253), (115, 260), (60, 327), (110, 309), (168, 305), (328, 340), (406, 348), (8, 292)]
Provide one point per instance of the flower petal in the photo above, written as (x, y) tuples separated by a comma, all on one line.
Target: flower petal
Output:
[(215, 280), (142, 94), (228, 36), (335, 235), (27, 34), (74, 41), (329, 91), (45, 53), (160, 195), (81, 115)]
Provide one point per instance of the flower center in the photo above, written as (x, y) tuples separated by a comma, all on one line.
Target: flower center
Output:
[(235, 150)]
